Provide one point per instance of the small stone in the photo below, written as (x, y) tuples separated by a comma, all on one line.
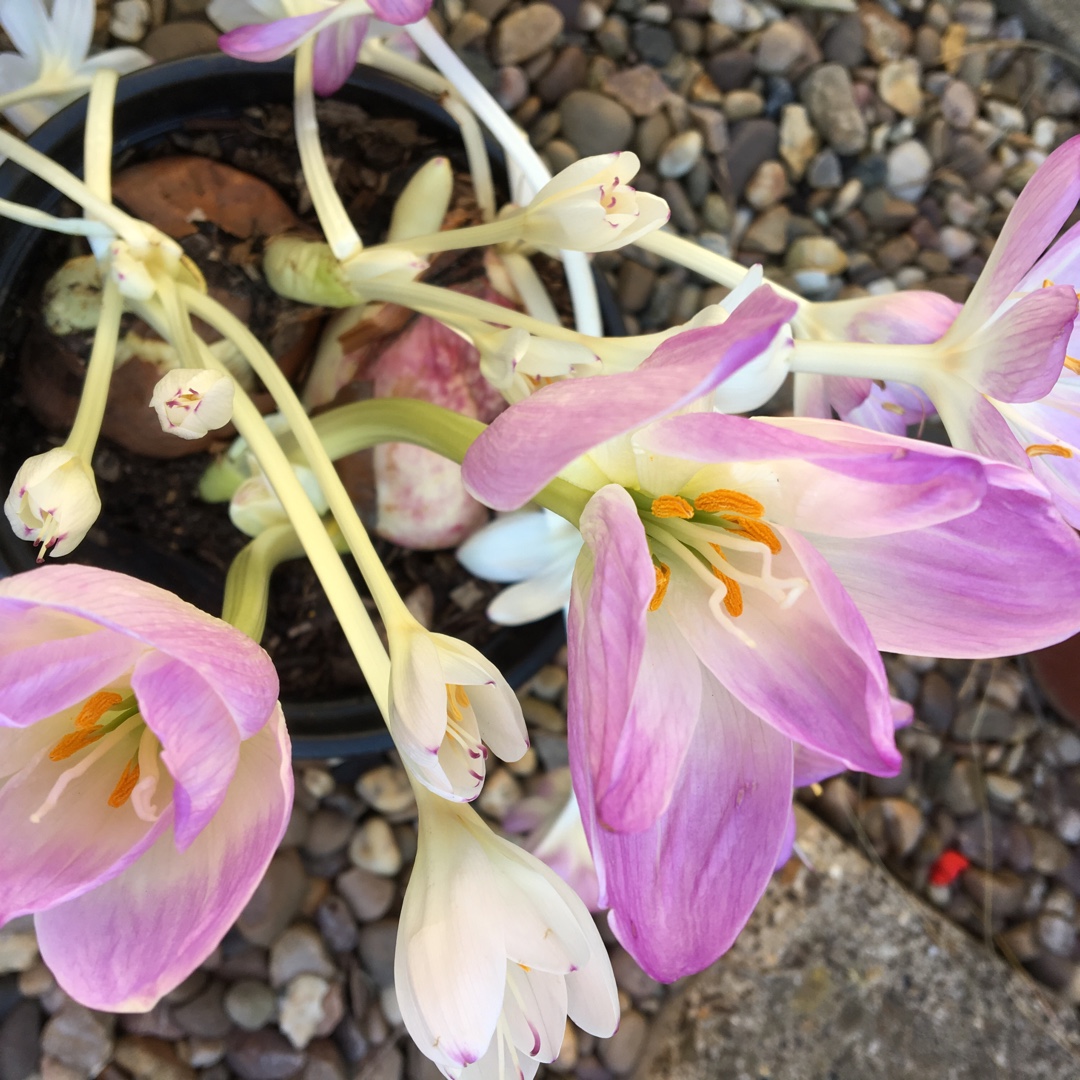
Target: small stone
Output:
[(387, 1063), (886, 37), (501, 791), (816, 253), (548, 683), (1004, 790), (769, 231), (959, 105), (908, 172), (77, 1038), (825, 173), (956, 244), (1003, 891), (898, 85), (299, 951), (639, 89), (376, 948), (1048, 854), (336, 924), (1020, 942), (1055, 934), (595, 124), (654, 44), (18, 947), (568, 71), (525, 33), (276, 901), (367, 894), (743, 104), (329, 831), (731, 69), (19, 1034), (767, 186), (130, 20), (302, 1010), (680, 154), (984, 839), (374, 848), (250, 1004), (387, 790), (635, 287), (785, 48), (180, 39), (151, 1059), (829, 97), (511, 87), (630, 977), (622, 1051), (843, 43), (205, 1014), (264, 1055), (318, 783), (752, 142), (799, 141), (540, 713), (983, 724), (1067, 824)]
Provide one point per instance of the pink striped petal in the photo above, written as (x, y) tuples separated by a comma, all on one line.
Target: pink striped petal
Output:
[(336, 50), (261, 42), (400, 12)]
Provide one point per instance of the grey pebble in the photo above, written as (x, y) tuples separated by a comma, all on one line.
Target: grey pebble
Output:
[(151, 1059), (620, 1053), (205, 1014), (20, 1055), (829, 97), (264, 1055), (78, 1038), (680, 154), (176, 40), (250, 1004), (525, 33), (1056, 934), (594, 123), (376, 949), (299, 951), (328, 832), (1004, 891), (276, 901)]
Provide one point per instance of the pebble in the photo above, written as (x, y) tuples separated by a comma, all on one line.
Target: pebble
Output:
[(959, 105), (638, 89), (205, 1014), (567, 72), (276, 901), (985, 724), (885, 36), (829, 97), (79, 1039), (898, 86), (742, 104), (680, 154), (500, 792), (368, 895), (299, 951), (336, 924), (18, 947), (374, 848), (1056, 934), (825, 173), (908, 170), (752, 142), (250, 1004), (785, 48), (328, 831), (177, 40), (130, 20), (387, 790), (302, 1009), (767, 186), (376, 949), (844, 43), (264, 1055), (594, 123), (1004, 890), (962, 794), (621, 1052), (816, 253), (151, 1059), (20, 1030), (525, 33), (799, 140), (387, 1063), (768, 232)]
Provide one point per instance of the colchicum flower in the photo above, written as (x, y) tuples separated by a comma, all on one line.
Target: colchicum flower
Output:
[(590, 206), (53, 501), (737, 580), (53, 44), (190, 402), (145, 779), (494, 951), (448, 705), (263, 30)]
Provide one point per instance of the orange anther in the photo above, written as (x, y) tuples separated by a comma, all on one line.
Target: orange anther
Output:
[(1073, 364), (663, 576), (719, 551), (126, 784), (75, 741), (891, 406), (759, 531), (97, 705), (722, 501), (733, 600), (1047, 449), (672, 506), (1047, 283), (461, 697)]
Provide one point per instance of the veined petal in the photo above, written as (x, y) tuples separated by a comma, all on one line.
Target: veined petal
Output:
[(200, 742), (912, 317), (261, 42), (535, 1011), (75, 20), (813, 470), (400, 12), (681, 891), (417, 696), (336, 50), (532, 441), (813, 670), (971, 587), (974, 424), (28, 25), (170, 909), (536, 598), (518, 545)]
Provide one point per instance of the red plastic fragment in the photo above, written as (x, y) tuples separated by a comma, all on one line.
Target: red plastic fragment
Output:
[(948, 867)]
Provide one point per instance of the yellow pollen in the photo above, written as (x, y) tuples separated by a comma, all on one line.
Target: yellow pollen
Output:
[(461, 697), (719, 551), (75, 741), (672, 506), (733, 600), (1073, 364), (97, 705), (1047, 449), (451, 707), (891, 406), (663, 576), (759, 531), (525, 968), (1047, 283), (722, 501), (126, 784)]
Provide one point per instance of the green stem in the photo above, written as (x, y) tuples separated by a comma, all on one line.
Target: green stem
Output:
[(336, 226), (491, 232), (99, 369), (247, 585)]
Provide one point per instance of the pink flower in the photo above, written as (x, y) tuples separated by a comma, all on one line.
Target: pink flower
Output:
[(737, 580), (340, 30), (144, 778)]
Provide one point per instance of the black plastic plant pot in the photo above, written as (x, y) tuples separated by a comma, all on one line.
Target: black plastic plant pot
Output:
[(150, 105)]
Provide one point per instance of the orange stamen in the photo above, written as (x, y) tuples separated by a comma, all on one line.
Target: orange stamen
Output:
[(1047, 449), (891, 406), (1048, 283), (74, 741), (759, 531), (461, 697), (672, 506), (663, 576), (733, 600), (1073, 364), (451, 708), (722, 501), (126, 784), (719, 551), (97, 705)]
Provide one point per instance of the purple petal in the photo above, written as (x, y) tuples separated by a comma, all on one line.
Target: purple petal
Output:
[(336, 49), (812, 766), (681, 891), (133, 939), (813, 670), (817, 469), (532, 441), (904, 318), (400, 12), (200, 743), (261, 42), (997, 581)]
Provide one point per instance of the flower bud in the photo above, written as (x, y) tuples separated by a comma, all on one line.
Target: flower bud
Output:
[(53, 501), (192, 401), (255, 506), (424, 201)]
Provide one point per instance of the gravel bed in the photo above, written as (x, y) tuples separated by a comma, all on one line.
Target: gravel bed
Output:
[(854, 153)]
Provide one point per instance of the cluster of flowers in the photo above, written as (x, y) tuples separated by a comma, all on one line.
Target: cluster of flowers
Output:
[(729, 581)]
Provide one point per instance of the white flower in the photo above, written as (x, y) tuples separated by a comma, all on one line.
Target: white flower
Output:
[(192, 401), (53, 501), (446, 702), (53, 43), (494, 950), (254, 505), (515, 361), (590, 206)]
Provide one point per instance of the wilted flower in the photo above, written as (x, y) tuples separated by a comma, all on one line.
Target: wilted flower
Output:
[(53, 501), (145, 778), (590, 206), (190, 402), (52, 62), (494, 951)]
